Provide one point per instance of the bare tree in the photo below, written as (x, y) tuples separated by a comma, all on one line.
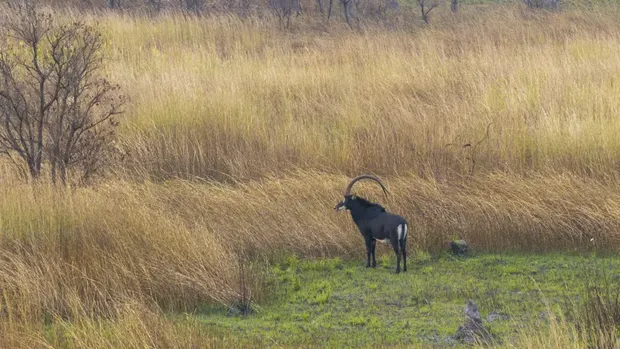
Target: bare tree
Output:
[(321, 10), (284, 9), (426, 6), (347, 6), (114, 4), (55, 109), (548, 4), (195, 6), (329, 9), (154, 6)]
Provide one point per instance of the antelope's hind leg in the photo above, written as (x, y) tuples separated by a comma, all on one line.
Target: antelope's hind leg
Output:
[(403, 246), (397, 252)]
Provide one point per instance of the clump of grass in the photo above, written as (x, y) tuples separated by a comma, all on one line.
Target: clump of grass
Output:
[(599, 317), (597, 314), (133, 326)]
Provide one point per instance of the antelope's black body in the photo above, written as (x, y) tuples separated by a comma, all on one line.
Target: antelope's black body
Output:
[(376, 224)]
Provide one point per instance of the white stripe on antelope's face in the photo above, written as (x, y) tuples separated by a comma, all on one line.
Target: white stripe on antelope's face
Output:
[(341, 206)]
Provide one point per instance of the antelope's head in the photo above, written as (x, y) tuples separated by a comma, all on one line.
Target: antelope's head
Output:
[(347, 203)]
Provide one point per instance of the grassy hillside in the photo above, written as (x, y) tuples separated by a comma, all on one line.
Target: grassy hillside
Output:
[(240, 139), (219, 97), (337, 304)]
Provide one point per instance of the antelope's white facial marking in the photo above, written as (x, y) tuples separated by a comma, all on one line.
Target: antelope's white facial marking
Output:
[(341, 206), (384, 241)]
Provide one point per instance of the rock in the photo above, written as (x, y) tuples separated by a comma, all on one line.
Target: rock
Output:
[(239, 309), (473, 329), (393, 4), (494, 316), (233, 311), (459, 247)]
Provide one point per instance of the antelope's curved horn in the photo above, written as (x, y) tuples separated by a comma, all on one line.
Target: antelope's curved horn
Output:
[(347, 191)]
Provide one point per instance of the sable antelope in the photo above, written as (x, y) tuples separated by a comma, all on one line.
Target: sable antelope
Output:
[(376, 224)]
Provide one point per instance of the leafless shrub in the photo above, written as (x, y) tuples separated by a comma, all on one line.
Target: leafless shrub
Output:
[(472, 148), (114, 4), (284, 9), (55, 109), (347, 6), (193, 6), (376, 9), (548, 4), (154, 6), (321, 7), (426, 6)]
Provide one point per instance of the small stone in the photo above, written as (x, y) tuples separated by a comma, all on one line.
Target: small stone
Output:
[(239, 309), (472, 313), (494, 316), (459, 247), (473, 329), (233, 311)]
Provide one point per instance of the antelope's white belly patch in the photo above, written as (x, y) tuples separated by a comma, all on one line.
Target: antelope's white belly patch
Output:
[(385, 241)]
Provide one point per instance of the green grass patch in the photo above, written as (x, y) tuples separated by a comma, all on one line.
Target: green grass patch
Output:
[(335, 303)]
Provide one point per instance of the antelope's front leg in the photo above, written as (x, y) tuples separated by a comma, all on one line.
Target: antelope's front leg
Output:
[(368, 252), (372, 252)]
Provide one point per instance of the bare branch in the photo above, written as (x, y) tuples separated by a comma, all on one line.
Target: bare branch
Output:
[(55, 107)]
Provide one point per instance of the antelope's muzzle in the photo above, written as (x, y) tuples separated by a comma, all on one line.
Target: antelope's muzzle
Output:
[(340, 206)]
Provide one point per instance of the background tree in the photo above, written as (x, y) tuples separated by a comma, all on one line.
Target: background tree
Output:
[(548, 4), (284, 10), (194, 6), (426, 6), (55, 108), (347, 6)]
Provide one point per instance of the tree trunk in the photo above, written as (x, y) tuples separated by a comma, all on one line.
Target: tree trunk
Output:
[(346, 13), (63, 173), (54, 173), (34, 166), (329, 11), (320, 3), (345, 4), (554, 4)]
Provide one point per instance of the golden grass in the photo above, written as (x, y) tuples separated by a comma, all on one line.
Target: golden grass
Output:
[(85, 254), (162, 240), (286, 118), (218, 97)]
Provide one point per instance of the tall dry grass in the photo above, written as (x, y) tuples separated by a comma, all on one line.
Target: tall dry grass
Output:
[(286, 118), (220, 97), (92, 255)]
